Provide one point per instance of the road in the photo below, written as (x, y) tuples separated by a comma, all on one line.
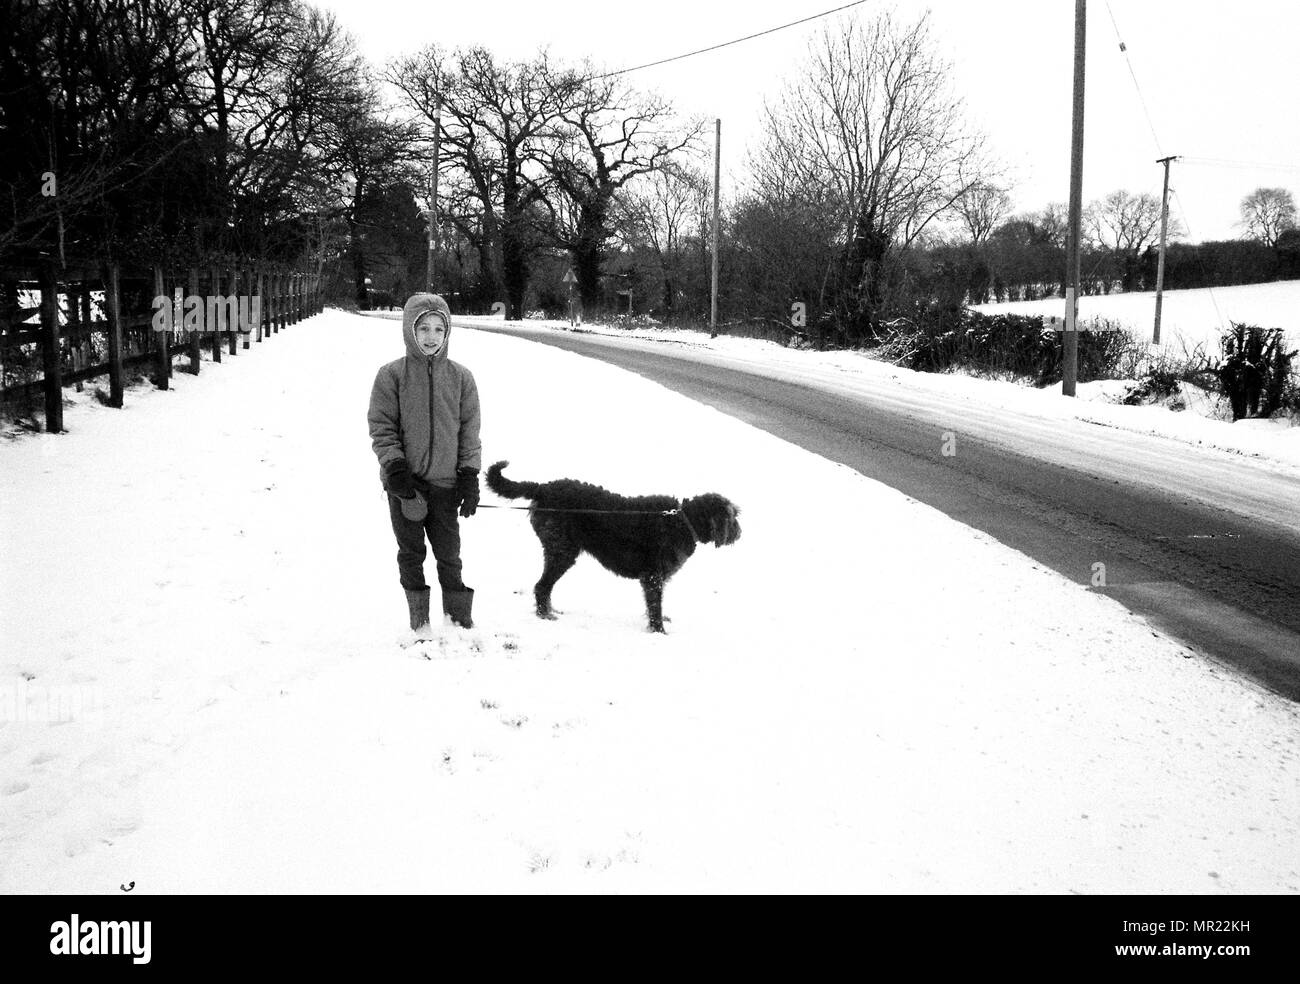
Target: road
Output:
[(1204, 544)]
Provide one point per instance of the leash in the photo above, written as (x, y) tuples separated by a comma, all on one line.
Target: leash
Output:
[(687, 520), (607, 512)]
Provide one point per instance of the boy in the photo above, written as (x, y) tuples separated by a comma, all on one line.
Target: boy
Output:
[(424, 423)]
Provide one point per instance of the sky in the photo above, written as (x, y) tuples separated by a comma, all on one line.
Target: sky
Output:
[(1214, 78)]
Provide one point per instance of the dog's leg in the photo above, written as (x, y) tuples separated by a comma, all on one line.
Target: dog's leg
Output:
[(653, 586), (557, 565)]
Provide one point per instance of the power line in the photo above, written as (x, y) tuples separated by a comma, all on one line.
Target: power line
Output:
[(750, 37), (1215, 161), (1204, 272), (1129, 62), (1146, 112), (1253, 165)]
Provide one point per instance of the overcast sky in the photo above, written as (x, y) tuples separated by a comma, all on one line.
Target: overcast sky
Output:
[(1217, 78)]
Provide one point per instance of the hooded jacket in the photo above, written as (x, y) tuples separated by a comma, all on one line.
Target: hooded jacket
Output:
[(424, 408)]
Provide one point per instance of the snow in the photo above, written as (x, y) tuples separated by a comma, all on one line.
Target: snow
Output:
[(865, 696), (1187, 317)]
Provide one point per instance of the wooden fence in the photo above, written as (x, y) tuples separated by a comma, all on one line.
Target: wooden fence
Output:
[(74, 344)]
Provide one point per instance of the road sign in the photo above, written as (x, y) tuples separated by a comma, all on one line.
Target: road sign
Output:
[(569, 277)]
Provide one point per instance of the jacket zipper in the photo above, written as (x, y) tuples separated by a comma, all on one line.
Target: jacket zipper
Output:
[(431, 453)]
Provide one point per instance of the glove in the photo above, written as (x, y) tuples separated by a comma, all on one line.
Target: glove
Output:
[(467, 491), (415, 508), (398, 478)]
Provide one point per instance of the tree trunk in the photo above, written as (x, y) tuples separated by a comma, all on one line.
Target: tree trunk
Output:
[(514, 262), (359, 275), (489, 289), (863, 284), (586, 267), (589, 250)]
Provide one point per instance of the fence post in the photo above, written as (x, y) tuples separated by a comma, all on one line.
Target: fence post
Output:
[(50, 355), (71, 315), (113, 314), (258, 278), (237, 284), (196, 337), (8, 304), (86, 326), (254, 275), (218, 338), (162, 339), (243, 281), (234, 289)]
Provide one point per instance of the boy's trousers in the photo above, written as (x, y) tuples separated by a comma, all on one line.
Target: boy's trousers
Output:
[(443, 528)]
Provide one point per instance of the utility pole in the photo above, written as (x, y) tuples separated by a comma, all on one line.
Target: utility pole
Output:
[(717, 181), (1070, 342), (433, 191), (1160, 266)]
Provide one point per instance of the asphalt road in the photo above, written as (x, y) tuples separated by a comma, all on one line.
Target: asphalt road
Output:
[(1219, 570)]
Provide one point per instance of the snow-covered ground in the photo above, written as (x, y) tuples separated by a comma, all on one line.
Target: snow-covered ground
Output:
[(203, 689), (1187, 317)]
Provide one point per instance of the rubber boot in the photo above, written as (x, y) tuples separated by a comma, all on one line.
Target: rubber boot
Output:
[(418, 604), (459, 605)]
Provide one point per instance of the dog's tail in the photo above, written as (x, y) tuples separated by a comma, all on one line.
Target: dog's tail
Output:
[(507, 489)]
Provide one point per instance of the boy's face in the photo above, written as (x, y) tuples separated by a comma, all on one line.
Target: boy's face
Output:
[(430, 334)]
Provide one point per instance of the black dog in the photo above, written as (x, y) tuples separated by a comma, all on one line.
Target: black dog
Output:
[(645, 537)]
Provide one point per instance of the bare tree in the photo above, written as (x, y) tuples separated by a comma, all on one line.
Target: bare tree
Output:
[(870, 125), (1054, 221), (495, 119), (610, 136), (1124, 224), (1266, 213), (663, 210), (85, 116), (982, 208), (1053, 224), (373, 153)]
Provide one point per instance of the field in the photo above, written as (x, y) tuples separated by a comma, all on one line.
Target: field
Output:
[(1189, 317)]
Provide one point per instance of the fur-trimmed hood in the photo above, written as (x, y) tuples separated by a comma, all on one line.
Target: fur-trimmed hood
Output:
[(416, 305)]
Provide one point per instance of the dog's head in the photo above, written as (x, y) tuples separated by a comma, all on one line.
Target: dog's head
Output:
[(713, 517)]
